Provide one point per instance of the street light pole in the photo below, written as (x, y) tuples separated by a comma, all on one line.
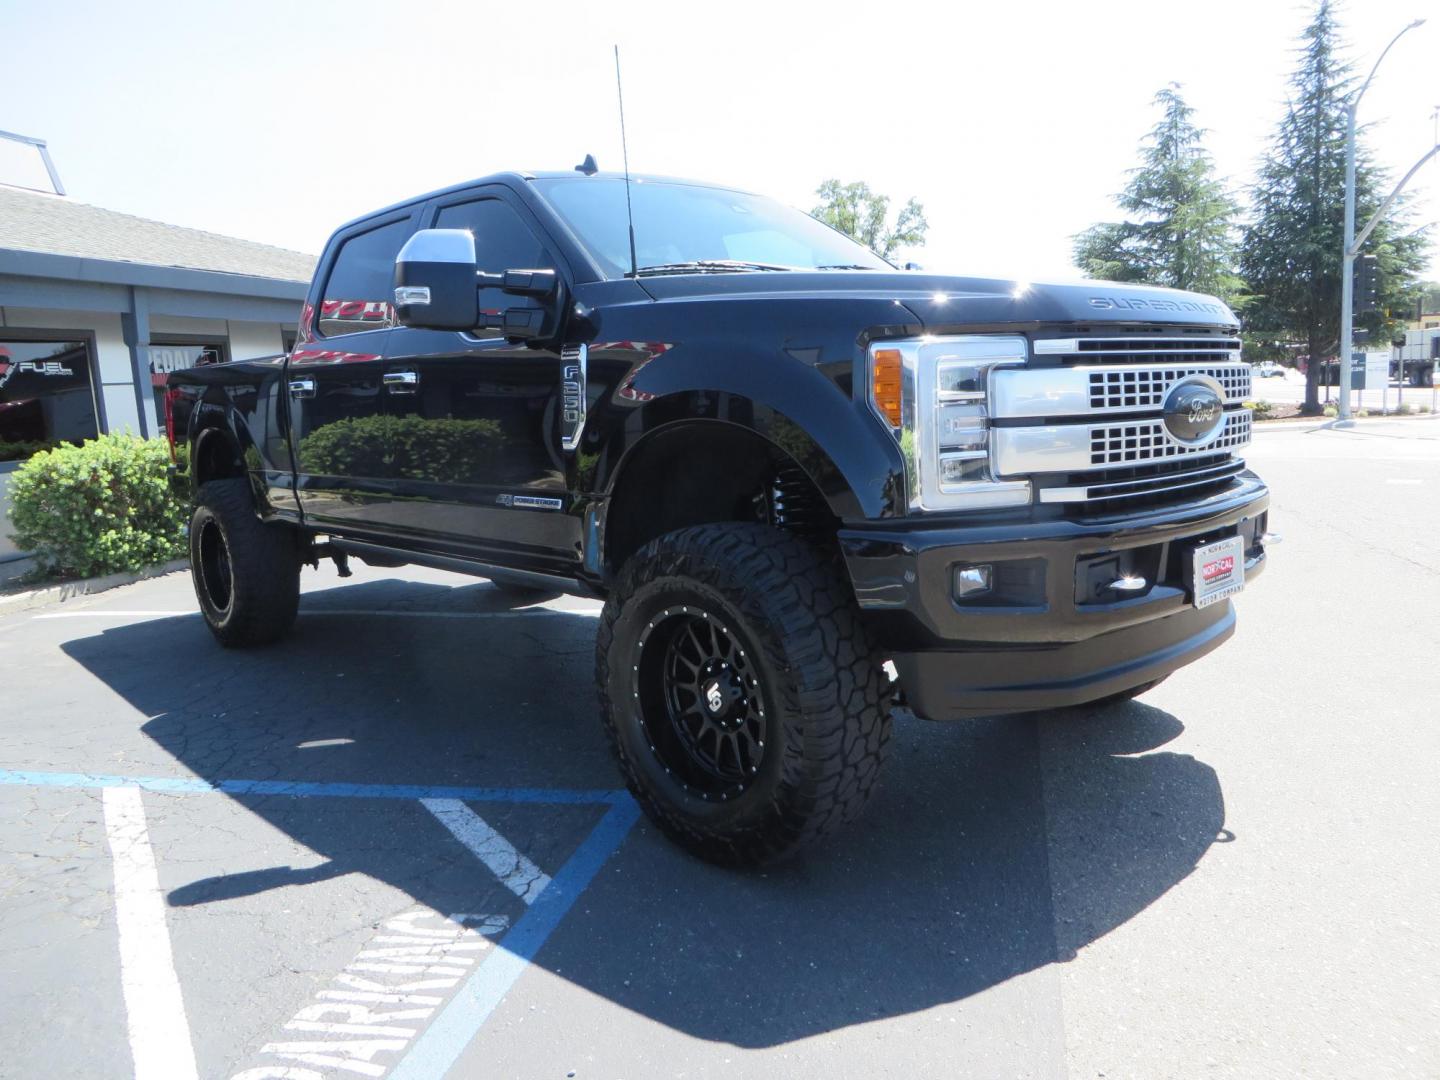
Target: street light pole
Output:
[(1347, 262)]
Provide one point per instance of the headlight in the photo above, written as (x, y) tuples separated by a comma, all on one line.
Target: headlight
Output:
[(934, 393)]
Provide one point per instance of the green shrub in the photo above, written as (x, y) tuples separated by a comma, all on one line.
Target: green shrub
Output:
[(446, 451), (98, 508)]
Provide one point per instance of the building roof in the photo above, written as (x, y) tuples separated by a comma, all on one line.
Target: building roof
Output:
[(56, 225)]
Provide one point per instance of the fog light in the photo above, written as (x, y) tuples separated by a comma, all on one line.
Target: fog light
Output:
[(972, 580)]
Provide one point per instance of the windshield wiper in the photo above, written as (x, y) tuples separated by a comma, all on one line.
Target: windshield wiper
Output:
[(707, 266), (846, 266)]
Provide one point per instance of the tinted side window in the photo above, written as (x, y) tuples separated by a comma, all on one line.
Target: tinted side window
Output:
[(360, 291), (502, 240)]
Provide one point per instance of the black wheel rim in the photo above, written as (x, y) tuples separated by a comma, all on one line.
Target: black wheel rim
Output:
[(700, 701), (215, 573)]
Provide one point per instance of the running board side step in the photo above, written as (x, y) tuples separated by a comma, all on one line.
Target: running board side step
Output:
[(532, 578)]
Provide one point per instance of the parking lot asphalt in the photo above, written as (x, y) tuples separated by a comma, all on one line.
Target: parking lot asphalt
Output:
[(393, 845)]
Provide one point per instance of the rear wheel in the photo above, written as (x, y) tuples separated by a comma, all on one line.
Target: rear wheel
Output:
[(246, 572), (739, 693)]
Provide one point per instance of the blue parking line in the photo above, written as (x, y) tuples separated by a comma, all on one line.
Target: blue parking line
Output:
[(191, 785), (442, 1043)]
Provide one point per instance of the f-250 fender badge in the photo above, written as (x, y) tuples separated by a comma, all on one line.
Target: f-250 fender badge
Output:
[(530, 502), (573, 360)]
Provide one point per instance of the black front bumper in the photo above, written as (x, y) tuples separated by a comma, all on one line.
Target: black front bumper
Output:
[(1051, 632)]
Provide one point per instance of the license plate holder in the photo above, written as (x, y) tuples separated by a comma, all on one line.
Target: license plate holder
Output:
[(1217, 570)]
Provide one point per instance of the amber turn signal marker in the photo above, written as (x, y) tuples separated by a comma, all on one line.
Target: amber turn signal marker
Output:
[(885, 383)]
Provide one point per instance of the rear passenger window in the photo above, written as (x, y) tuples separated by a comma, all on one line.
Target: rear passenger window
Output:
[(502, 240), (359, 293)]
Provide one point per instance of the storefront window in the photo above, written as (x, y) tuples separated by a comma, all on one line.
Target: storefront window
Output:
[(46, 396), (166, 357)]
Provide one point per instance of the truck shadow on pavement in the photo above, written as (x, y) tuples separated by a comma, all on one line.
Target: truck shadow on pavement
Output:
[(996, 847)]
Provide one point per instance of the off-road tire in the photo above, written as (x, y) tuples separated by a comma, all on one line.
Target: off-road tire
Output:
[(246, 572), (828, 701)]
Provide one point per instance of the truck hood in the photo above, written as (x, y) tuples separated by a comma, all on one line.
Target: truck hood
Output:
[(942, 302)]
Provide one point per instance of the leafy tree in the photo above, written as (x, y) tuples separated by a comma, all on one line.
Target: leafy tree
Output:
[(1180, 229), (862, 215), (1291, 252)]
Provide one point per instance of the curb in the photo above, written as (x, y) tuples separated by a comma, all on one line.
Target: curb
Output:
[(74, 590)]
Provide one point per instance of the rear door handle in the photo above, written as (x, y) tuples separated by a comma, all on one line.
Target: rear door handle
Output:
[(302, 387), (401, 382)]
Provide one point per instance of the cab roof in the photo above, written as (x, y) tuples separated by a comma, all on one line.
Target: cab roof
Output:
[(516, 178)]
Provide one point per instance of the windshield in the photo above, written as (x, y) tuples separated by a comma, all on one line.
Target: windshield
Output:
[(682, 226)]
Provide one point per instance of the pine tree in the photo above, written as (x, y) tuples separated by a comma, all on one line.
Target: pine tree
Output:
[(1180, 229), (1291, 253)]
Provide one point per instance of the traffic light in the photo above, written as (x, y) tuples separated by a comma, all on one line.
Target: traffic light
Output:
[(1367, 284)]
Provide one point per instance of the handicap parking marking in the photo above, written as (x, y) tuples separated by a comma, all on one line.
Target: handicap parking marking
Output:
[(387, 1013)]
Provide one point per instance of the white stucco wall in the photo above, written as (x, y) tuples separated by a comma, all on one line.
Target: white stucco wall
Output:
[(249, 340)]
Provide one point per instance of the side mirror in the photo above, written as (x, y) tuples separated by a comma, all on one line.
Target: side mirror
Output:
[(437, 285), (435, 281)]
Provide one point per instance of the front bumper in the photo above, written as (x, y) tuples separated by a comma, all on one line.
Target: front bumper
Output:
[(1051, 632)]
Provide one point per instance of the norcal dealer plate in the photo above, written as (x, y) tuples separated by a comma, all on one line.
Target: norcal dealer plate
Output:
[(1218, 570)]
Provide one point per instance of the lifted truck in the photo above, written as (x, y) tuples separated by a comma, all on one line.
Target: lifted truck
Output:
[(780, 461)]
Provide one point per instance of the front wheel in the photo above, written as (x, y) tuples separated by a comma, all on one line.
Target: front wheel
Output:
[(246, 572), (738, 691)]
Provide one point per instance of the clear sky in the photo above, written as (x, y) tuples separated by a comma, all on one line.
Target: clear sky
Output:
[(1013, 123)]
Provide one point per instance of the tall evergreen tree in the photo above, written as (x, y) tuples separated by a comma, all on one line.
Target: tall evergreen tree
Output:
[(1291, 252), (1180, 228)]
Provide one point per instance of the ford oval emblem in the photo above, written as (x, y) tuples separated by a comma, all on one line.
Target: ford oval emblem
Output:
[(1194, 411)]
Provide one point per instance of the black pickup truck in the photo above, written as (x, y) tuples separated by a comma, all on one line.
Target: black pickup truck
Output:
[(810, 487)]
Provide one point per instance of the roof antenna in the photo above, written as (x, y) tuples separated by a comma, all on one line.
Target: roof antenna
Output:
[(588, 166), (625, 155)]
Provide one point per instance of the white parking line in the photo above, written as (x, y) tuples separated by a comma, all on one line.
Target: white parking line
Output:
[(519, 874), (154, 1010)]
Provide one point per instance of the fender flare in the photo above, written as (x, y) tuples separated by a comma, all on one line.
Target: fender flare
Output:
[(854, 463)]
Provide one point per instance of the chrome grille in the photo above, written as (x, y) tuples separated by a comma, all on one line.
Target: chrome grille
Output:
[(1147, 440), (1144, 482), (1070, 392), (1146, 387), (1141, 349)]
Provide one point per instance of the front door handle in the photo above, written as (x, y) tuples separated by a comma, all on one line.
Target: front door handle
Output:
[(302, 387), (402, 382)]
